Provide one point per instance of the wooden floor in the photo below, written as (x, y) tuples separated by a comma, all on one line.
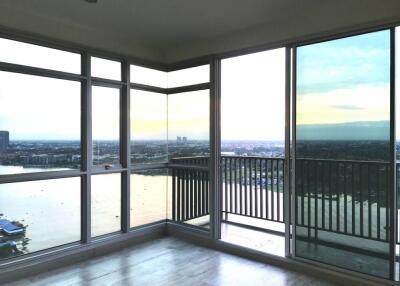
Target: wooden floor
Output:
[(169, 261)]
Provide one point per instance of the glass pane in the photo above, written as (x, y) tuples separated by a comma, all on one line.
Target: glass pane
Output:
[(105, 124), (252, 150), (106, 204), (188, 124), (148, 127), (39, 214), (148, 76), (261, 78), (105, 68), (148, 196), (39, 124), (342, 153), (188, 144), (40, 57), (195, 75)]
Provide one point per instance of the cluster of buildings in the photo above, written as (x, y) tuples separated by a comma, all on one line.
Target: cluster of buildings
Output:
[(181, 139), (52, 159)]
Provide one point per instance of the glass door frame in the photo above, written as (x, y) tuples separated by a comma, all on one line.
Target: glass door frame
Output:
[(392, 180)]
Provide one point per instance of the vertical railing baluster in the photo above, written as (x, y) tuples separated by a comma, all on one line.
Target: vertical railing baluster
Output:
[(303, 179), (255, 189), (278, 191), (225, 188), (338, 197), (245, 185), (316, 211), (207, 192), (353, 199), (378, 202), (361, 202), (240, 186), (261, 189), (183, 188), (272, 191), (369, 202), (345, 195), (388, 226), (330, 195), (308, 200), (174, 208), (323, 194), (267, 190), (230, 186), (250, 188), (191, 174), (203, 193), (235, 161), (195, 191), (296, 198), (198, 183)]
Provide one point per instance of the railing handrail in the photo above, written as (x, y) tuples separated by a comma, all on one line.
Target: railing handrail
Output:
[(345, 161), (252, 157), (282, 158)]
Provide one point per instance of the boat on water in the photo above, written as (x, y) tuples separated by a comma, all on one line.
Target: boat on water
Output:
[(8, 247), (12, 237), (11, 227)]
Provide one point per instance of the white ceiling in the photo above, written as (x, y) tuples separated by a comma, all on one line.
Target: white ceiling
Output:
[(172, 30)]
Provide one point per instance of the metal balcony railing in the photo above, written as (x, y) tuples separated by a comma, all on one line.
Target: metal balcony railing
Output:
[(339, 196), (253, 187), (190, 188)]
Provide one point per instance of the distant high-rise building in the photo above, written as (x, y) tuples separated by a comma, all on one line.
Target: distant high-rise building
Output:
[(4, 140), (178, 138), (184, 139)]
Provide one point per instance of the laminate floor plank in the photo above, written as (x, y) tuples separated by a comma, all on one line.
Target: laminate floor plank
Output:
[(169, 261)]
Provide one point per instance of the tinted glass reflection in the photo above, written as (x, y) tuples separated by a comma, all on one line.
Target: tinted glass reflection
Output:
[(342, 150)]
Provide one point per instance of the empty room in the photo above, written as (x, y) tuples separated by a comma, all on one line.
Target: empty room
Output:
[(225, 142)]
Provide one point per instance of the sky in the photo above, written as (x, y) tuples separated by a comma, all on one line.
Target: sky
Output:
[(344, 81), (253, 96)]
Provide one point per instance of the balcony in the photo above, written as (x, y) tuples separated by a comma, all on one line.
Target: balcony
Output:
[(337, 201)]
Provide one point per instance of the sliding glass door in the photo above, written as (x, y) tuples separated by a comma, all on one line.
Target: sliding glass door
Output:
[(343, 153)]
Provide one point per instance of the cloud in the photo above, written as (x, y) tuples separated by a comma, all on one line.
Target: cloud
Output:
[(347, 107)]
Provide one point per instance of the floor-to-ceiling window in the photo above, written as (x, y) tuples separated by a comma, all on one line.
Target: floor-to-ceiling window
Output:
[(40, 148), (106, 148), (149, 150), (342, 155), (252, 150), (189, 145)]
